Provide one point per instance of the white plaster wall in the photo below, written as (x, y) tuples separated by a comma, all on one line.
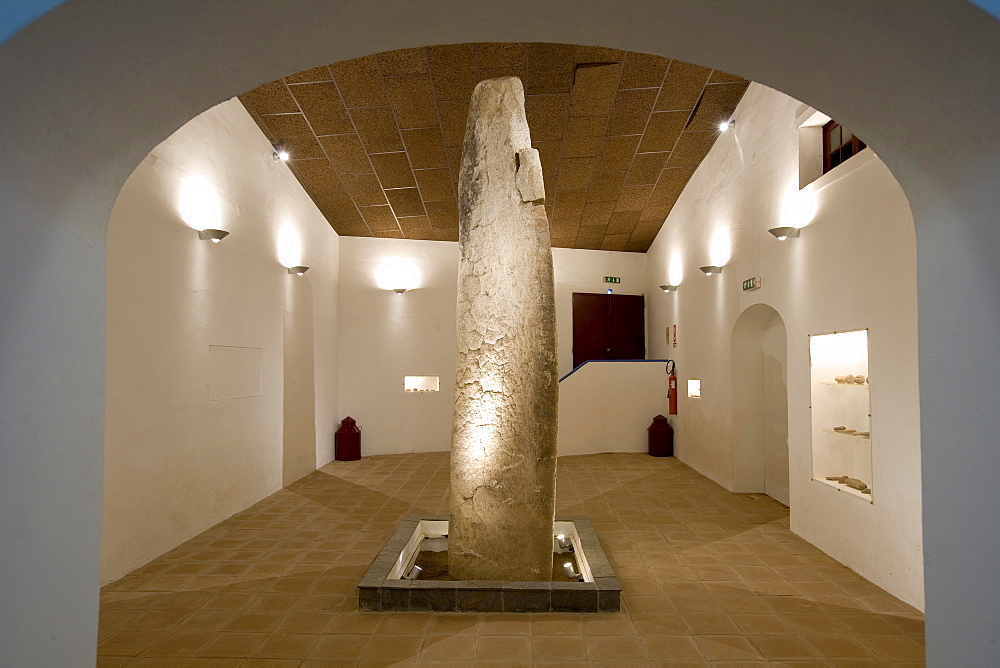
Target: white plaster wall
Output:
[(385, 336), (191, 438), (607, 406), (854, 266)]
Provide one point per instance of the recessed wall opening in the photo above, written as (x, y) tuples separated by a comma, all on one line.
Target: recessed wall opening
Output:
[(421, 383)]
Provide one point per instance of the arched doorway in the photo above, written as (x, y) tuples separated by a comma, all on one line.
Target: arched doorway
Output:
[(90, 89), (760, 403)]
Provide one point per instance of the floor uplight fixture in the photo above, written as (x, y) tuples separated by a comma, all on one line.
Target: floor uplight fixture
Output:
[(782, 233), (298, 271), (215, 236)]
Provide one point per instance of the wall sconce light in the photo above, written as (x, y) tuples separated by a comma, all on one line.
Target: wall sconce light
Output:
[(298, 271), (281, 153), (782, 233), (215, 236), (669, 288), (725, 125), (711, 269)]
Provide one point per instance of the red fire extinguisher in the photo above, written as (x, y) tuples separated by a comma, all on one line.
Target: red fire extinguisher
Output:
[(671, 387)]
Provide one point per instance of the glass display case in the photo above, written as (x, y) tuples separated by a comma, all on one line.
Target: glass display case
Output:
[(841, 412)]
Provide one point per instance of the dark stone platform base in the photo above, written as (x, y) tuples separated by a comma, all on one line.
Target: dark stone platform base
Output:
[(375, 592)]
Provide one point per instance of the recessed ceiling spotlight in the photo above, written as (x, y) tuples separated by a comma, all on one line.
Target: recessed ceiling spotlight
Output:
[(782, 233), (281, 153), (725, 125), (711, 269)]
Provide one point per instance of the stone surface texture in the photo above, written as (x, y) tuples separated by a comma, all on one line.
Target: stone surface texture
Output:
[(506, 392)]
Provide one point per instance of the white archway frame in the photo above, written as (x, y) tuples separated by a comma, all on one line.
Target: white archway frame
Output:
[(90, 88)]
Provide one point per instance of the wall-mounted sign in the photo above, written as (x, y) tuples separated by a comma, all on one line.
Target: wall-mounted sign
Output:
[(751, 283), (612, 279)]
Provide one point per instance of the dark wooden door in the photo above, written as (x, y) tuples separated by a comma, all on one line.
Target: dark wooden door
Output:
[(608, 327)]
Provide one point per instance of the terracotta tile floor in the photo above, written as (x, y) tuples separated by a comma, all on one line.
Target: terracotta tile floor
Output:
[(709, 578)]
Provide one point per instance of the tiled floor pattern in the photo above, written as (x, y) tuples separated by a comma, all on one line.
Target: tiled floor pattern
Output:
[(709, 578)]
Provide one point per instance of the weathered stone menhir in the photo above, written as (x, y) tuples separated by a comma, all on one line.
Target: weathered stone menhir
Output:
[(506, 393)]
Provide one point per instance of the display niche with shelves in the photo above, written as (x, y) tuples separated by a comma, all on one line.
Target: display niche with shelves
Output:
[(841, 412)]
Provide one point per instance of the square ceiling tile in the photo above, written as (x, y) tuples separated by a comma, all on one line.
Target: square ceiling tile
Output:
[(622, 222), (630, 111), (614, 242), (360, 82), (445, 234), (435, 184), (575, 173), (590, 236), (393, 170), (662, 131), (570, 203), (549, 153), (606, 186), (501, 54), (692, 148), (617, 153), (379, 218), (594, 89), (454, 71), (549, 68), (364, 189), (498, 72), (597, 213), (412, 100), (564, 228), (402, 61), (454, 116), (425, 147), (672, 181), (643, 70), (415, 227), (718, 76), (656, 210), (633, 198), (547, 116), (598, 54), (346, 222), (583, 136), (682, 87), (389, 234), (377, 129), (292, 132), (313, 174), (346, 153), (270, 98), (321, 73), (405, 202), (442, 208), (646, 168), (323, 108)]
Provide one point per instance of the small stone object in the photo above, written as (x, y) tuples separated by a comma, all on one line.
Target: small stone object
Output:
[(866, 434), (840, 379), (833, 477), (867, 491), (856, 484), (860, 380), (849, 378), (841, 428), (850, 431)]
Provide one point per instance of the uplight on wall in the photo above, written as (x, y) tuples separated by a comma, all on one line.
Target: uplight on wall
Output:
[(200, 207), (675, 274), (398, 275), (694, 388), (711, 269), (215, 236), (298, 270), (782, 233), (669, 288), (290, 249)]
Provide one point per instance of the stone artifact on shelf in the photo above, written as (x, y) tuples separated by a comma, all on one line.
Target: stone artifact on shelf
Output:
[(841, 379), (859, 379), (849, 378), (840, 428), (854, 483)]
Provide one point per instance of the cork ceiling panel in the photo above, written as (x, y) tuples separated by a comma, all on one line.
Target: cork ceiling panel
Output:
[(376, 141)]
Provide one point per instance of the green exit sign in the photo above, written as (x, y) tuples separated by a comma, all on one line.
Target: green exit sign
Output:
[(612, 279), (751, 283)]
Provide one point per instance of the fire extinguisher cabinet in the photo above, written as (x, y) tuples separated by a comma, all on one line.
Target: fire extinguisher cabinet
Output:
[(347, 441), (661, 437)]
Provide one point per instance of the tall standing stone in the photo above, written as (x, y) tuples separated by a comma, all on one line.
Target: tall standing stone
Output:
[(506, 393)]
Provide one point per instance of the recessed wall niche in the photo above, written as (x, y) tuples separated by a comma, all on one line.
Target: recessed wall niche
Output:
[(841, 412), (421, 383)]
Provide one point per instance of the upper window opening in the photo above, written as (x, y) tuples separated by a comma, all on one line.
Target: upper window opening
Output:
[(839, 144)]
